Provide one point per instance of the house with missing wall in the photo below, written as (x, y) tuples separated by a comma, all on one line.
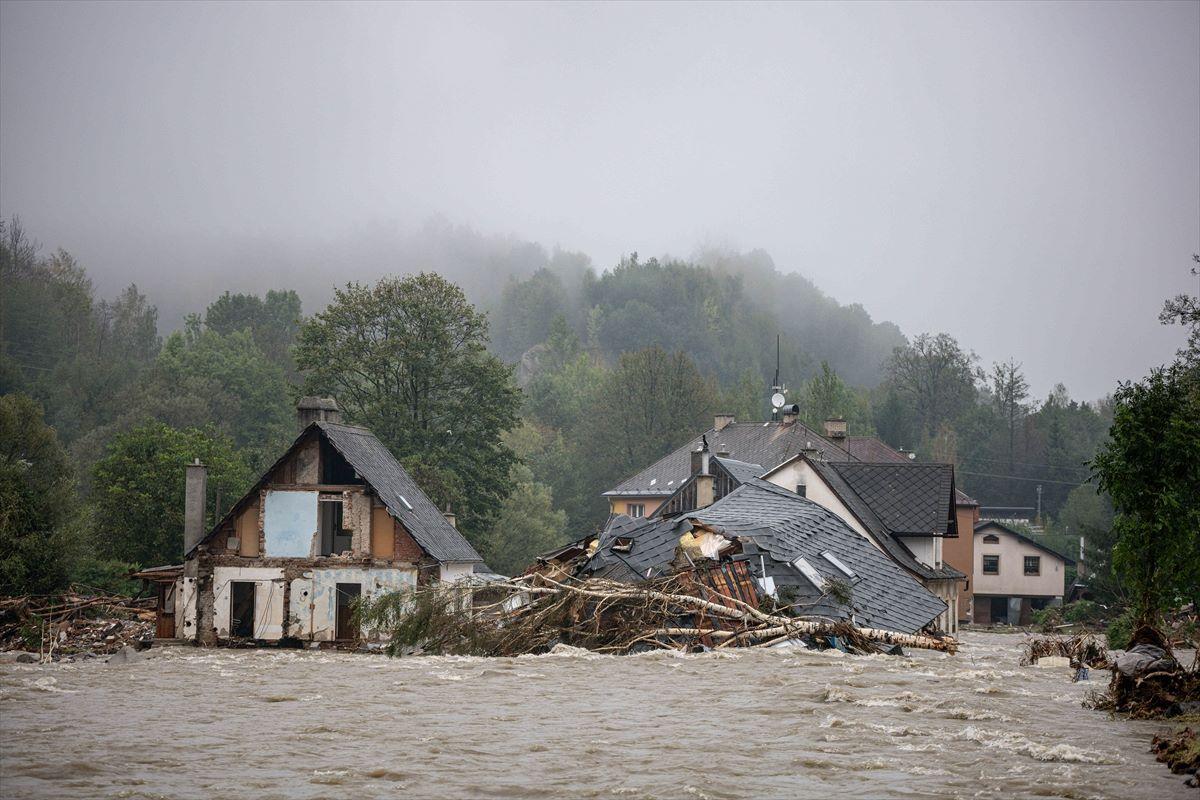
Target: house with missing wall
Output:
[(911, 512), (1015, 575), (334, 519)]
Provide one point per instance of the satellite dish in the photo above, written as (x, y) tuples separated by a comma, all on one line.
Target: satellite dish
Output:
[(777, 400)]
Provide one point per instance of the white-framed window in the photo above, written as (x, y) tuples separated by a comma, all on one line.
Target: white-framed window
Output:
[(636, 509)]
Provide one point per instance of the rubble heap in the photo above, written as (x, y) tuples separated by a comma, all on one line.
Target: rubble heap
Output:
[(75, 623), (1084, 650)]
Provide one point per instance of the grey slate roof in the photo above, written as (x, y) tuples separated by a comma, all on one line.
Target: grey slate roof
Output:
[(379, 468), (980, 527), (776, 527), (765, 443), (740, 470), (910, 499), (875, 525)]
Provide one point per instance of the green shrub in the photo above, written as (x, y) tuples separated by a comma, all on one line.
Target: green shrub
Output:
[(105, 575), (1119, 631), (1083, 611)]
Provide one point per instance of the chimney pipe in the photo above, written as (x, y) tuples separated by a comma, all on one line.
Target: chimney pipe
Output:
[(451, 517), (722, 421), (195, 494), (790, 413)]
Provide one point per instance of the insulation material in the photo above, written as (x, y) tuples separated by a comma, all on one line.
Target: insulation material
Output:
[(290, 523)]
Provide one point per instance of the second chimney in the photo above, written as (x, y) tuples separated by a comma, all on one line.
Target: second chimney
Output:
[(722, 421), (835, 431), (195, 500)]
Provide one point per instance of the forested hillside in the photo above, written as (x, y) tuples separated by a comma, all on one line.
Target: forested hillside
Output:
[(606, 371)]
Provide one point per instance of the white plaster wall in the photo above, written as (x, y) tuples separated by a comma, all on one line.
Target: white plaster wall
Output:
[(926, 549), (789, 475), (455, 571), (268, 599), (1012, 580), (187, 608), (314, 596)]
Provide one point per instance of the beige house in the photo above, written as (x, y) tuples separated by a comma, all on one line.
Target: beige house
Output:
[(1014, 575)]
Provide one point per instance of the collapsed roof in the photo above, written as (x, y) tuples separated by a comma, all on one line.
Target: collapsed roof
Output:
[(797, 549)]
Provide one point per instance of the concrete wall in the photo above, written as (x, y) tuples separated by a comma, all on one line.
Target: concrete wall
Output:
[(313, 597), (1012, 580), (268, 599)]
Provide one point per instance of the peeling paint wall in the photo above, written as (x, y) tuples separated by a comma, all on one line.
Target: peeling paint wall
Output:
[(313, 612), (356, 518), (268, 599), (186, 608)]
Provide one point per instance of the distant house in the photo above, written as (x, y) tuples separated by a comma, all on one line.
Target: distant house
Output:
[(797, 550), (791, 455), (334, 519), (1014, 575)]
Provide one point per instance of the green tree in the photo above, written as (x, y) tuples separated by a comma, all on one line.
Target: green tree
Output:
[(138, 489), (938, 376), (1151, 468), (273, 321), (37, 501), (528, 524), (407, 359), (1010, 390), (650, 404)]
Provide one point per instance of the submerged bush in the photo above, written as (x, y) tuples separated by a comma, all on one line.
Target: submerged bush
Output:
[(1119, 631)]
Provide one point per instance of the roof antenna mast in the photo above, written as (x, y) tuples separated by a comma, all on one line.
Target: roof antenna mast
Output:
[(778, 390)]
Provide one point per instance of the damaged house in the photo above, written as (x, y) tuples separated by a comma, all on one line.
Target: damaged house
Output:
[(794, 550), (334, 519), (904, 509)]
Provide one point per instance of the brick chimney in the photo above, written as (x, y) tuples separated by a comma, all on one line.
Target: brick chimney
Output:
[(451, 517), (722, 421), (835, 431), (317, 409), (195, 494)]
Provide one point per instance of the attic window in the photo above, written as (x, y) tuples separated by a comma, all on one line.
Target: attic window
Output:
[(407, 504), (622, 544), (807, 570), (991, 538), (837, 562)]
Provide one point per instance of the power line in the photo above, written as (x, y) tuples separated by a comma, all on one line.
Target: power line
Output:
[(1015, 478)]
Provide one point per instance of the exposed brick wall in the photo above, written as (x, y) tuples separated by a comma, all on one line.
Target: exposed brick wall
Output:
[(405, 547)]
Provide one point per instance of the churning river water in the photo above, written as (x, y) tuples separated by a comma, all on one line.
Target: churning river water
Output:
[(186, 723)]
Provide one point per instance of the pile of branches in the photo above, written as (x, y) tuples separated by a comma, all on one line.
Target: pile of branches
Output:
[(1084, 650), (1147, 680), (534, 613), (74, 622)]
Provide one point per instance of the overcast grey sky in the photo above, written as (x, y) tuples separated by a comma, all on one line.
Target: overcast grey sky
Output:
[(1023, 176)]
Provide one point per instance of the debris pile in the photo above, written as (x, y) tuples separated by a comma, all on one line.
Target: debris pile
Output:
[(1180, 751), (1147, 680), (1084, 650), (75, 623), (688, 610)]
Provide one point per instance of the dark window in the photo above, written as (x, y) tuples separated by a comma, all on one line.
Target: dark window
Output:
[(991, 565), (1033, 565), (991, 538), (334, 538), (636, 509)]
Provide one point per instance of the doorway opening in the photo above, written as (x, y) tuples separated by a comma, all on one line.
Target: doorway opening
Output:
[(241, 609), (347, 593)]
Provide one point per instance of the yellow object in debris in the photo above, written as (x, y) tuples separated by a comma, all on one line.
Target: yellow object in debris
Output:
[(591, 548)]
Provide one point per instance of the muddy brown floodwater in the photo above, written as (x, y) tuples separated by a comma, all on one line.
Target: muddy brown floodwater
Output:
[(187, 723)]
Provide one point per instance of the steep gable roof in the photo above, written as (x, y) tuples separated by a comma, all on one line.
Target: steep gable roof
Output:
[(876, 527), (765, 443), (777, 527), (380, 469), (393, 485)]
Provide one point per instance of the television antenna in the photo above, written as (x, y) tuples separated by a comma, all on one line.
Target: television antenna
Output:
[(778, 390)]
